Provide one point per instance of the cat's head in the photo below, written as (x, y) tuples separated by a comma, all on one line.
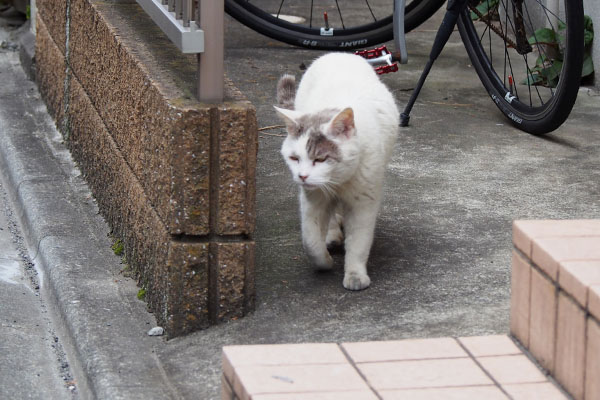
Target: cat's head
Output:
[(321, 149)]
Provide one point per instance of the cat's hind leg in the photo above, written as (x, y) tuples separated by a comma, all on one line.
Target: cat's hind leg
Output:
[(335, 235)]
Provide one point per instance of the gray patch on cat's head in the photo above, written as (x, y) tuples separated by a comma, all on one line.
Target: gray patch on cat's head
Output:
[(318, 146), (312, 122)]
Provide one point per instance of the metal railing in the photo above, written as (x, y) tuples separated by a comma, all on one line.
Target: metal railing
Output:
[(195, 26)]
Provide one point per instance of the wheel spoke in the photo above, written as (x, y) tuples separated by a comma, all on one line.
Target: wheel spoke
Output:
[(340, 13), (371, 10)]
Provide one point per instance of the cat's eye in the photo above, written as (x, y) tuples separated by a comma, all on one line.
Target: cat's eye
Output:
[(294, 158), (320, 160)]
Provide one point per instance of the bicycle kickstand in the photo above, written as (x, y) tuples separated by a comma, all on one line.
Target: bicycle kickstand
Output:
[(455, 7)]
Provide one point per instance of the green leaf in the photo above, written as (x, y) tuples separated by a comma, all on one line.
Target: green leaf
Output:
[(532, 79), (588, 37), (588, 65), (485, 7), (588, 24), (543, 36), (553, 72)]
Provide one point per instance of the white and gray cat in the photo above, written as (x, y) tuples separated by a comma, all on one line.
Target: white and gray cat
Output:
[(342, 123)]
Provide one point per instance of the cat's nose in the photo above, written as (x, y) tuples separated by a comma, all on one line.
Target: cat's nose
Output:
[(303, 177)]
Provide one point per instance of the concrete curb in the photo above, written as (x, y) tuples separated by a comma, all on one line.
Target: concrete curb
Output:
[(99, 320)]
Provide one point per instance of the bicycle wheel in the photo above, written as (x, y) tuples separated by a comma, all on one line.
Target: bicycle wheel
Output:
[(302, 23), (528, 56)]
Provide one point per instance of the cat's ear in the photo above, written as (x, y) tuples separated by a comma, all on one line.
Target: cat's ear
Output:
[(289, 117), (342, 125)]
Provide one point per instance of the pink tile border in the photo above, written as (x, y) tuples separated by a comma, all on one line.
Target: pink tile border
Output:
[(564, 307), (594, 301), (534, 391), (525, 230), (297, 379), (575, 278), (399, 350), (570, 350), (547, 253), (450, 393), (416, 374), (344, 395), (512, 369), (279, 376), (493, 345)]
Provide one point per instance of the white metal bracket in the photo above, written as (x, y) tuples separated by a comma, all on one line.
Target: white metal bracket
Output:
[(187, 39)]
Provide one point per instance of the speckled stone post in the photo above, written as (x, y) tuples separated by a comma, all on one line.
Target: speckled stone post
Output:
[(173, 177)]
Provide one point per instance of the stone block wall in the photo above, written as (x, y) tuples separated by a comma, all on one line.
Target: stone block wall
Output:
[(555, 300), (173, 177)]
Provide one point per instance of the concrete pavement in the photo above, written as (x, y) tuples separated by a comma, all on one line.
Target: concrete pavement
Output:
[(440, 261)]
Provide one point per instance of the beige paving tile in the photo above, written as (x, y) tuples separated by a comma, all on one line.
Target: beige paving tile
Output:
[(575, 277), (524, 231), (424, 374), (460, 393), (594, 301), (570, 346), (285, 354), (409, 349), (592, 366), (226, 389), (546, 253), (493, 345), (355, 395), (254, 380), (534, 391), (281, 354), (512, 369), (542, 319), (520, 283)]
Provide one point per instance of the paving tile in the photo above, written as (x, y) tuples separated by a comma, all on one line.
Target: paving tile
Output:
[(534, 391), (226, 389), (281, 354), (512, 369), (409, 349), (575, 277), (569, 362), (493, 345), (592, 366), (546, 253), (354, 395), (524, 231), (594, 301), (542, 319), (415, 374), (520, 283), (253, 380), (460, 393)]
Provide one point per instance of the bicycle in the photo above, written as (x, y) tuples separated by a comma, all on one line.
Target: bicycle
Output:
[(534, 81)]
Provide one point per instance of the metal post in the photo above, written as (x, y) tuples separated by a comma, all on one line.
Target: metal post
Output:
[(187, 12), (210, 63)]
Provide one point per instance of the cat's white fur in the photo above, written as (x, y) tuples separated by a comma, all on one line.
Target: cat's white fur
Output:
[(348, 187)]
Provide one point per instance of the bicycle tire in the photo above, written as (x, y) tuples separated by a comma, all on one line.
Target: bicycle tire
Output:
[(536, 109), (346, 38)]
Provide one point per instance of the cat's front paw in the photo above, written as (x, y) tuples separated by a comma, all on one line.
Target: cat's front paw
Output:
[(322, 263), (353, 281)]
